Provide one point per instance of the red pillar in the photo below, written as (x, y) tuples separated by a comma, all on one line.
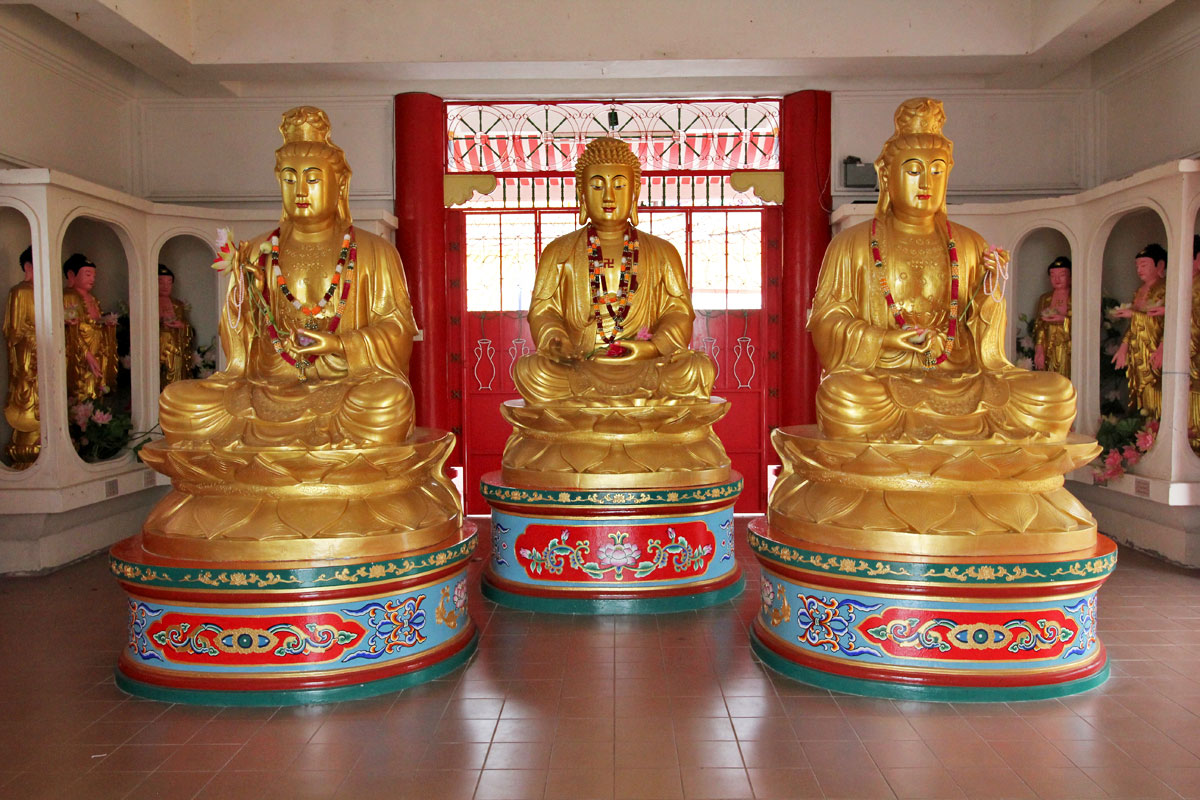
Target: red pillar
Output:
[(805, 158), (421, 239)]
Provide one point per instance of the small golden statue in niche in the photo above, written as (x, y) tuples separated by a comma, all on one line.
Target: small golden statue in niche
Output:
[(91, 334), (21, 402), (929, 441), (175, 332), (1052, 327), (304, 446), (1140, 353), (1194, 373), (612, 383)]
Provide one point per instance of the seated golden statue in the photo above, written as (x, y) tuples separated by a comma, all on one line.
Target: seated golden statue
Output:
[(324, 363), (1140, 353), (91, 334), (1052, 328), (21, 402), (611, 314), (911, 341), (928, 440), (304, 446), (613, 396), (175, 332)]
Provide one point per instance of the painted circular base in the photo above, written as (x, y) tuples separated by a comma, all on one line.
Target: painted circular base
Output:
[(946, 628), (297, 697), (611, 605), (279, 632), (611, 551), (937, 694)]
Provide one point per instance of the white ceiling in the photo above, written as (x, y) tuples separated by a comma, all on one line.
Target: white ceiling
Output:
[(566, 48)]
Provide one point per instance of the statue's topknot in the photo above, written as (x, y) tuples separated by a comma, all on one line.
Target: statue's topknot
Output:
[(306, 124), (920, 115)]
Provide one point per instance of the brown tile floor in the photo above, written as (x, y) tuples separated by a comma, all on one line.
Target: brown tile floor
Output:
[(667, 706)]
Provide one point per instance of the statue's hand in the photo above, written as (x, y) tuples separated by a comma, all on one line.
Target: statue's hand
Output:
[(318, 343), (248, 257), (1119, 357), (639, 348), (995, 265), (559, 349), (913, 339), (1156, 311), (1122, 313), (1156, 357), (1039, 357)]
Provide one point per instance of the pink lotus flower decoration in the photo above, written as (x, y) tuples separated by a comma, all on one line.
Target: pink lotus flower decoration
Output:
[(644, 335), (81, 413), (101, 417)]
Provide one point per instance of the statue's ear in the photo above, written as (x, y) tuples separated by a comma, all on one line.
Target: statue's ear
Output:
[(583, 216), (633, 215)]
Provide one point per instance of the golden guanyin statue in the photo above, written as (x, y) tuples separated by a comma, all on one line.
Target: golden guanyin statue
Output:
[(175, 332), (21, 401), (1052, 326), (924, 426), (1140, 353), (91, 334), (611, 318), (307, 434)]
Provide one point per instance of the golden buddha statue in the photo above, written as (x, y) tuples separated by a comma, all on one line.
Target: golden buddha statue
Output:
[(91, 334), (611, 315), (307, 434), (21, 402), (175, 332), (1052, 327), (1140, 353), (611, 318), (922, 422)]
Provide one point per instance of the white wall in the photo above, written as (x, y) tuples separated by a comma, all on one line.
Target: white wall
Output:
[(1007, 143), (66, 104), (1147, 93), (220, 151)]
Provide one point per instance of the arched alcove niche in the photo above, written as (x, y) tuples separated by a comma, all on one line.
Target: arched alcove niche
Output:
[(102, 245), (1130, 233), (195, 285), (1032, 256), (15, 236)]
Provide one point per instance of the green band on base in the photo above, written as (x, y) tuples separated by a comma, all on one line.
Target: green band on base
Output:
[(297, 697), (586, 605), (942, 694)]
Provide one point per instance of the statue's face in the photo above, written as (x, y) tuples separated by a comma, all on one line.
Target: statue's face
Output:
[(165, 284), (85, 279), (28, 268), (310, 189), (608, 192), (916, 181), (1060, 278), (1148, 270)]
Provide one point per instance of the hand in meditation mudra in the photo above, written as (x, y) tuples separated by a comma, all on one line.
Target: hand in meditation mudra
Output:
[(925, 427), (308, 431), (611, 317)]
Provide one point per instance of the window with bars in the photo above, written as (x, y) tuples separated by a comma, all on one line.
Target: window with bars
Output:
[(721, 252)]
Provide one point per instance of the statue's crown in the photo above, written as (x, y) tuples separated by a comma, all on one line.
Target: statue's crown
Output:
[(920, 115), (305, 124)]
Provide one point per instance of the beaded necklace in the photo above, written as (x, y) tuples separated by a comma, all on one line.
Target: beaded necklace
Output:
[(346, 262), (898, 314), (602, 299)]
